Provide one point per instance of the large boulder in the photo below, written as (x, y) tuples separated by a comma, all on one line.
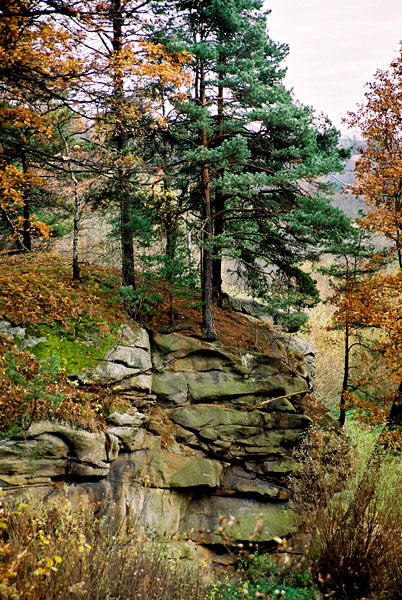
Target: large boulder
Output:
[(50, 450), (190, 370), (236, 479), (160, 467), (32, 461), (237, 434)]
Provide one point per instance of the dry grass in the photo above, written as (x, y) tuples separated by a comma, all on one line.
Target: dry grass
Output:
[(329, 348), (49, 552), (38, 287), (232, 328), (369, 378)]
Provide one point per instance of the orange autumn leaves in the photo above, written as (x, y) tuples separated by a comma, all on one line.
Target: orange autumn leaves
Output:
[(372, 301), (379, 169), (36, 62), (46, 62)]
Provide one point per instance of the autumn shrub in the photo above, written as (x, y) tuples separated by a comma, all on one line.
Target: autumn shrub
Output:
[(49, 552), (349, 491)]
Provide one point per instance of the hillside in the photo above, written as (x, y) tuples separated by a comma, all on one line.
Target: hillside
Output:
[(76, 323)]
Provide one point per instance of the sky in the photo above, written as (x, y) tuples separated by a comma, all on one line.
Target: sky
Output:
[(335, 48)]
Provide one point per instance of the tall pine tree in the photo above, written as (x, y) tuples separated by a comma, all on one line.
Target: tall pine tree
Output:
[(250, 152)]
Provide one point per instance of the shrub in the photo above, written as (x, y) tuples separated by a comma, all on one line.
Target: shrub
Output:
[(263, 590), (49, 552), (257, 566), (352, 500), (260, 577)]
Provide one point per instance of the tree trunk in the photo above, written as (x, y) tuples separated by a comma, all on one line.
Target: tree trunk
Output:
[(395, 414), (171, 239), (219, 204), (345, 383), (126, 233), (217, 259), (76, 266), (76, 214), (208, 326)]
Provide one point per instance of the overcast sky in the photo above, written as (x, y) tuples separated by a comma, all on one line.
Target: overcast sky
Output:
[(335, 48)]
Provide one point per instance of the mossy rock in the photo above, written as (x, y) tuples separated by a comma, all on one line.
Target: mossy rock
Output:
[(203, 519), (75, 356), (79, 347), (169, 468), (198, 416)]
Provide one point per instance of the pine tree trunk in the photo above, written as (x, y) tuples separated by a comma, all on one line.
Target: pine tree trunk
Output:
[(171, 238), (127, 246), (208, 325), (217, 259), (76, 266), (219, 205), (76, 214)]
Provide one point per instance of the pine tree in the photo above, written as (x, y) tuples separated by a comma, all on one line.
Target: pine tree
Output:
[(249, 151), (353, 259)]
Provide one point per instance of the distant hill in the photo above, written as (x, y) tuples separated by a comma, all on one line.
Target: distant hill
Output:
[(342, 199)]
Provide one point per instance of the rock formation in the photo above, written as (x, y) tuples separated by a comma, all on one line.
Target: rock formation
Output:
[(210, 435)]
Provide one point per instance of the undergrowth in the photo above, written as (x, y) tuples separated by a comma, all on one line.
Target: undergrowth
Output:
[(50, 552), (260, 577), (38, 288), (31, 391), (349, 489)]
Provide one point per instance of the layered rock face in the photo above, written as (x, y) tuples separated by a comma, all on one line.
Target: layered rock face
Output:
[(210, 435)]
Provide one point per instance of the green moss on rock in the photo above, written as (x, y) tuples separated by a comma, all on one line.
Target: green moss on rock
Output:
[(79, 346)]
